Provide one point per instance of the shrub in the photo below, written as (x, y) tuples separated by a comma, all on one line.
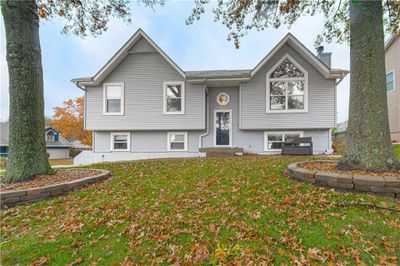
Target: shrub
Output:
[(338, 147)]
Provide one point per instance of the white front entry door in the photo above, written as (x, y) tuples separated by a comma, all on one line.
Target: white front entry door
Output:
[(223, 127)]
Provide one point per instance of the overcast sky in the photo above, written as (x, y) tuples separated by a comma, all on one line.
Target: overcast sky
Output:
[(200, 46)]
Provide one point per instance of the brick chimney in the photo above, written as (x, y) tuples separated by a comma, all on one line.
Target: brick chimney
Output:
[(324, 57)]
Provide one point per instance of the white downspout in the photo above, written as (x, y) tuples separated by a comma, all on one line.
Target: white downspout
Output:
[(207, 118), (330, 150)]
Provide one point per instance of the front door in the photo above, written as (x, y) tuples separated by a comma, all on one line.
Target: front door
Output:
[(223, 128)]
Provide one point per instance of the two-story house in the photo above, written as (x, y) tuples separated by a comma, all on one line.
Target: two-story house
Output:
[(392, 60), (141, 104)]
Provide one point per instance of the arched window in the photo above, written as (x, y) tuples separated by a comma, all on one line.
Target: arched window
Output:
[(287, 87)]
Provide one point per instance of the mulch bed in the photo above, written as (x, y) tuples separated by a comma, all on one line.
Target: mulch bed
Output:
[(61, 176), (331, 167)]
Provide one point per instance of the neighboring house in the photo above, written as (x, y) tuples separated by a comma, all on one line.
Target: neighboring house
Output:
[(142, 105), (341, 127), (57, 146), (392, 59)]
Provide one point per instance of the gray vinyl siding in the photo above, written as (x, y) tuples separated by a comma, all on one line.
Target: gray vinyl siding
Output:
[(143, 75), (233, 105), (252, 141), (320, 138), (321, 100), (101, 141), (142, 46), (145, 141)]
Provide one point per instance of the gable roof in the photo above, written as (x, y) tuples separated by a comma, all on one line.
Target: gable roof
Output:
[(120, 55), (326, 71), (50, 127), (246, 74)]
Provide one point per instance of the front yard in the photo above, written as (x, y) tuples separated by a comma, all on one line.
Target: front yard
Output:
[(396, 148), (53, 162), (200, 211)]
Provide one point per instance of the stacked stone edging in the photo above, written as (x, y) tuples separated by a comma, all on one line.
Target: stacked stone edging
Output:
[(20, 196), (381, 185)]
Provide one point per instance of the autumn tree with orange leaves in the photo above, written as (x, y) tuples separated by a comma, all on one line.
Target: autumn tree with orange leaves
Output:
[(69, 120)]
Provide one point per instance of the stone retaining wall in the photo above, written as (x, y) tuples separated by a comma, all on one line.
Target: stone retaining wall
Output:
[(381, 185), (20, 196)]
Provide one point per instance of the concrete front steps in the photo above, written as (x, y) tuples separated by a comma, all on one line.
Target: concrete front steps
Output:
[(222, 151)]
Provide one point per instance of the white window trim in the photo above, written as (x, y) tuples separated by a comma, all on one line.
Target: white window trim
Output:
[(169, 134), (165, 84), (305, 79), (105, 85), (215, 127), (394, 81), (112, 134), (266, 133)]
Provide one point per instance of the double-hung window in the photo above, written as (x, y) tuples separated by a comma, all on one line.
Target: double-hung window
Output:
[(273, 140), (287, 87), (113, 99), (390, 81), (174, 98), (120, 141), (177, 141)]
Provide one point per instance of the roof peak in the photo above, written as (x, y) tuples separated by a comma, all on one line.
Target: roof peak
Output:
[(123, 51)]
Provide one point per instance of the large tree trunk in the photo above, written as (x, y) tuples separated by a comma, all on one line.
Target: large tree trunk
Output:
[(27, 149), (368, 144)]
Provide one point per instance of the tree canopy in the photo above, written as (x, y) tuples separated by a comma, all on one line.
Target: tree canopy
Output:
[(241, 16), (69, 120), (83, 17)]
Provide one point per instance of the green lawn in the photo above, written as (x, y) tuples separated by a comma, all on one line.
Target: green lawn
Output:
[(397, 150), (202, 211), (3, 162)]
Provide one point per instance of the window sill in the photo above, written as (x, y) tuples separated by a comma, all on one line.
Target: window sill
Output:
[(173, 113), (287, 111), (113, 113)]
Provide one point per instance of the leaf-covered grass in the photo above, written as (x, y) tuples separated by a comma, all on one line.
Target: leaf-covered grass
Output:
[(61, 162), (396, 148), (3, 162), (202, 211)]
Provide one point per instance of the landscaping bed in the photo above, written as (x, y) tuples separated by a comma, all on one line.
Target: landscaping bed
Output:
[(238, 210), (60, 176), (47, 186), (332, 167), (324, 173)]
